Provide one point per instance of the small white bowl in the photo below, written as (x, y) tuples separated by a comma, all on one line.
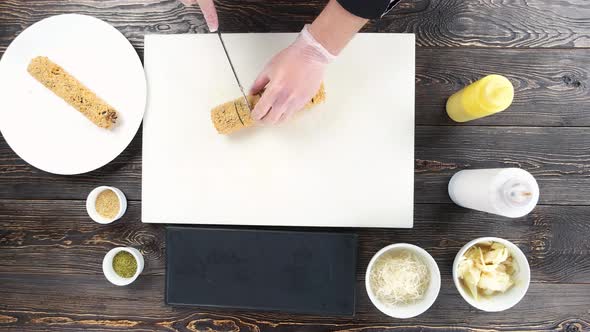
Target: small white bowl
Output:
[(407, 310), (91, 204), (109, 272), (511, 297)]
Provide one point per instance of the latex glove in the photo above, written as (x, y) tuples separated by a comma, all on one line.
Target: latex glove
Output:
[(208, 10), (290, 79)]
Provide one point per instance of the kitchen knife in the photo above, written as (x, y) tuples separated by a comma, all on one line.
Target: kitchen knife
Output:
[(235, 74)]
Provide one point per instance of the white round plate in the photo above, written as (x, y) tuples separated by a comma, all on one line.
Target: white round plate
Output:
[(42, 128)]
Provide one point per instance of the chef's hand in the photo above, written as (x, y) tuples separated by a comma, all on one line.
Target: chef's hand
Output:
[(208, 10), (290, 79)]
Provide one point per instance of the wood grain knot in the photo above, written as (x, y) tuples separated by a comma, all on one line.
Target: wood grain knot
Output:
[(571, 81), (421, 166), (12, 238), (218, 325), (52, 320), (7, 319), (151, 244), (69, 321), (572, 328), (109, 323), (221, 325), (574, 325)]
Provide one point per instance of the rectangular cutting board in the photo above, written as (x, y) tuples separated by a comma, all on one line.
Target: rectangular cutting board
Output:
[(348, 162)]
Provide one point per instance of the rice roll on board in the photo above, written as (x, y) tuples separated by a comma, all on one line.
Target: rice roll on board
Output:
[(235, 115)]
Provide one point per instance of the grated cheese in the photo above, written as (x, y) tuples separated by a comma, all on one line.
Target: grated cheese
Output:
[(399, 278)]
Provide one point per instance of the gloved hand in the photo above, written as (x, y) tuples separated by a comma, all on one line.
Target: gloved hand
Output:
[(208, 10), (290, 79)]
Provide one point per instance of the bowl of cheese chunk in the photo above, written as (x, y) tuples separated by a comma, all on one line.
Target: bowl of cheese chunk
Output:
[(491, 274)]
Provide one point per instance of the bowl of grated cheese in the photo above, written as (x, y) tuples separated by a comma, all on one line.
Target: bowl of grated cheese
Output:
[(402, 280)]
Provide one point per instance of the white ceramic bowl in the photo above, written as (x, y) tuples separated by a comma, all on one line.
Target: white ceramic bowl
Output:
[(512, 296), (407, 310), (109, 272), (91, 204)]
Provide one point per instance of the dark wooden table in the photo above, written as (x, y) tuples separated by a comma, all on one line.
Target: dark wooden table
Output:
[(51, 252)]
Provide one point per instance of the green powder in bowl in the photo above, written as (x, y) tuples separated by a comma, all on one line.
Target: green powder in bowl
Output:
[(124, 264)]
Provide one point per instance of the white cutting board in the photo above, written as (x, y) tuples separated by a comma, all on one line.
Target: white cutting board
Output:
[(348, 162)]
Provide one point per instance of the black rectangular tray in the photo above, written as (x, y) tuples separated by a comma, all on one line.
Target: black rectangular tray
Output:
[(288, 271)]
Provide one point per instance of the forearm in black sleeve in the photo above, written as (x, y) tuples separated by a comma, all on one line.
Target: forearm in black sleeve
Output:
[(369, 9)]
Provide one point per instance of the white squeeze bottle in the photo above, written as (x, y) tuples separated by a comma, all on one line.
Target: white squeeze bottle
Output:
[(509, 192)]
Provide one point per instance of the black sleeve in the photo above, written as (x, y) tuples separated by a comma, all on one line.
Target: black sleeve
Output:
[(369, 9)]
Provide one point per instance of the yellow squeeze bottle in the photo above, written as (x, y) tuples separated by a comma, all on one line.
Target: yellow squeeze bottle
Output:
[(489, 95)]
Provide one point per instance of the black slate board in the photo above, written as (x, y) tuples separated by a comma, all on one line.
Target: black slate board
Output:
[(297, 272)]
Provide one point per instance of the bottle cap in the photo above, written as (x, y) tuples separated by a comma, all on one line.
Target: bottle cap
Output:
[(497, 93), (517, 193)]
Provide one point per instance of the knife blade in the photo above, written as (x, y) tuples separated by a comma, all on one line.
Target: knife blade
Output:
[(233, 69)]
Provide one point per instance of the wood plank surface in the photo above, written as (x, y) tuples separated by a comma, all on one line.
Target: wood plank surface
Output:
[(559, 158), (552, 87), (50, 274), (438, 23), (88, 302), (553, 238), (51, 252)]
